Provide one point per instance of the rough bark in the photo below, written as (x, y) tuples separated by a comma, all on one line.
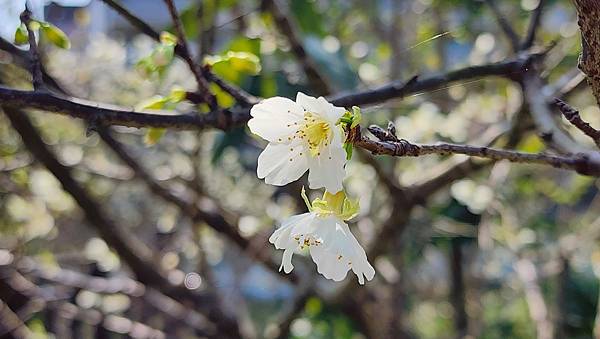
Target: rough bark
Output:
[(588, 12)]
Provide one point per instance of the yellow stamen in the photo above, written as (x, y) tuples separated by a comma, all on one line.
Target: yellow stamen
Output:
[(316, 132)]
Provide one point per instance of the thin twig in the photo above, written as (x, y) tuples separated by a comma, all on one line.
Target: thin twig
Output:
[(187, 56), (288, 28), (239, 94), (132, 288), (11, 327), (36, 68), (130, 249), (538, 103), (582, 163), (574, 118), (513, 38), (534, 25), (512, 69), (192, 211)]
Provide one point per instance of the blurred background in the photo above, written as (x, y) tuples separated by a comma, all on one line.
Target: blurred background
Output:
[(505, 251)]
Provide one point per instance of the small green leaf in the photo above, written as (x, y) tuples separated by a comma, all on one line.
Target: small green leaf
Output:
[(55, 35), (234, 64), (348, 149), (156, 102), (21, 36), (356, 116), (224, 99), (153, 135), (162, 55), (168, 39), (177, 94), (145, 67)]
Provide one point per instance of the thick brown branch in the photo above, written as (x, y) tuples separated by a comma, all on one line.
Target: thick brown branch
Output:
[(574, 118), (104, 114)]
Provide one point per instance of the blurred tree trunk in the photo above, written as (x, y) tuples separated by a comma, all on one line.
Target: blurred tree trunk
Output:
[(588, 12), (457, 288)]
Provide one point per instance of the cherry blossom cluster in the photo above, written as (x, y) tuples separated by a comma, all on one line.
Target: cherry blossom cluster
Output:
[(308, 135)]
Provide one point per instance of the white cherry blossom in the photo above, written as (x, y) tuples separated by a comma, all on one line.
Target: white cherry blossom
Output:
[(324, 233), (302, 135)]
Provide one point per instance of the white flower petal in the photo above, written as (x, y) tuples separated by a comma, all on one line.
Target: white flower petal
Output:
[(282, 237), (280, 164), (327, 169), (308, 103), (340, 252), (321, 107), (275, 119), (330, 112), (286, 261)]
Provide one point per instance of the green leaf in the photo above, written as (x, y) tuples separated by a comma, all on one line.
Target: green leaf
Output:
[(162, 55), (168, 39), (156, 102), (356, 116), (232, 65), (224, 99), (21, 36), (348, 149), (177, 95), (153, 135), (55, 35)]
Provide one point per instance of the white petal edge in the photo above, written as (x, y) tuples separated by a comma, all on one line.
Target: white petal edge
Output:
[(274, 163), (275, 119)]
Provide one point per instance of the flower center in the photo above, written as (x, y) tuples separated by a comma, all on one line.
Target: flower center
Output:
[(316, 132)]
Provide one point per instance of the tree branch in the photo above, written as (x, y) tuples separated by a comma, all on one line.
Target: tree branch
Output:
[(511, 69), (289, 29), (538, 104), (36, 68), (574, 118), (587, 164), (132, 251), (112, 115), (185, 53), (534, 24), (132, 288), (105, 115), (192, 211), (240, 95), (510, 33)]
